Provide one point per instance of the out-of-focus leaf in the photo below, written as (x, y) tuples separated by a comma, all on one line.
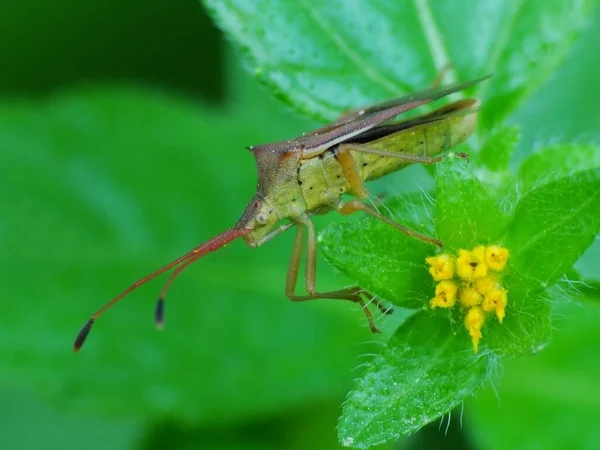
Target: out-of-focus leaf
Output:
[(557, 161), (522, 42), (550, 401), (424, 372), (564, 109), (101, 187), (380, 258), (20, 413), (299, 429), (498, 148), (325, 57)]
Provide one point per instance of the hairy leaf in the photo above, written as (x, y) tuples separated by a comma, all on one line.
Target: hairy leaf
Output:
[(382, 259), (558, 161), (324, 57), (550, 401), (466, 215), (424, 372), (552, 227)]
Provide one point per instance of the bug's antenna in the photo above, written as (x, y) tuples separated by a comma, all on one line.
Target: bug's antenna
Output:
[(191, 256), (159, 314)]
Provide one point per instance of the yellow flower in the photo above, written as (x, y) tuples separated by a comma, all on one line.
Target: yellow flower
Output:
[(495, 257), (471, 265), (474, 280), (474, 322), (486, 284), (445, 294), (496, 301), (469, 296), (442, 266)]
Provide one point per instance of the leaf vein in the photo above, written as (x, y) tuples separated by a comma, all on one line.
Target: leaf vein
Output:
[(393, 87)]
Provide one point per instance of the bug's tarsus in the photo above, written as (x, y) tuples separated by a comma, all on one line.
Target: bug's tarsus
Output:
[(463, 155), (369, 315), (83, 334), (385, 309)]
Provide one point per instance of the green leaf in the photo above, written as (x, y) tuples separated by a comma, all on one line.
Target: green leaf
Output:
[(553, 225), (522, 59), (325, 57), (551, 401), (99, 188), (526, 329), (380, 258), (588, 289), (466, 215), (424, 372), (498, 148), (557, 161)]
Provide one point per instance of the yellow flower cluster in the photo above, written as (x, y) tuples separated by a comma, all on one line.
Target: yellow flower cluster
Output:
[(472, 278)]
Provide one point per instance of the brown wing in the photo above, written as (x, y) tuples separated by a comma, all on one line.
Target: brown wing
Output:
[(458, 108), (361, 121)]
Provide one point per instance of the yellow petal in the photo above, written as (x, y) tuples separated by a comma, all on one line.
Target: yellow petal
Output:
[(474, 322), (442, 266), (496, 257), (486, 284), (445, 294), (496, 300), (471, 265), (469, 296)]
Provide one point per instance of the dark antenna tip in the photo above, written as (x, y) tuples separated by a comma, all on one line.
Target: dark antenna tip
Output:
[(83, 334), (159, 314)]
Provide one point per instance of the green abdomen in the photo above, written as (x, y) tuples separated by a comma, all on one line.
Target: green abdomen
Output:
[(322, 180), (422, 140)]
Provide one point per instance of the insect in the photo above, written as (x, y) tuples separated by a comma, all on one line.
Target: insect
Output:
[(309, 175)]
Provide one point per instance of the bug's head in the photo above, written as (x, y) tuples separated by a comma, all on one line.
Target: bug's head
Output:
[(259, 217)]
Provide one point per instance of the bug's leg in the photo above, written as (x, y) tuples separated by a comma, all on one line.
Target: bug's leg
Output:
[(404, 157), (352, 294), (351, 172), (355, 205)]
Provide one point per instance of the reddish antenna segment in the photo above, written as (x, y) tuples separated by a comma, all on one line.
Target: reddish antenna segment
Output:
[(193, 255)]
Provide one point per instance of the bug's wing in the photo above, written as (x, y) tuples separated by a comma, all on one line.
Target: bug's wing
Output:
[(455, 109), (357, 122), (433, 93), (376, 114)]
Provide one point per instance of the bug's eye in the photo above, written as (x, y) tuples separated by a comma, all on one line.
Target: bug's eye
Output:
[(261, 218)]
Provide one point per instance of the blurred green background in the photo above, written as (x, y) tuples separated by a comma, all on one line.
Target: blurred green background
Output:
[(122, 135)]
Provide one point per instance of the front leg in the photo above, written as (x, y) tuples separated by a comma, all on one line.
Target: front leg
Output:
[(353, 294)]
